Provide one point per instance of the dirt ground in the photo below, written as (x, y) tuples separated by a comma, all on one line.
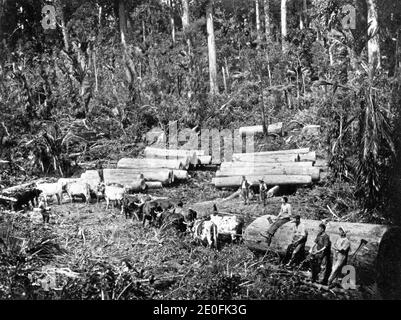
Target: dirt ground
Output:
[(88, 252)]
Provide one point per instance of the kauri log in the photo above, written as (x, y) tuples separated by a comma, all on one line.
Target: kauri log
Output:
[(288, 151), (256, 157), (92, 178), (126, 163), (154, 184), (173, 153), (126, 176), (276, 128), (180, 175), (255, 171), (380, 243), (204, 159), (136, 186), (235, 181), (270, 165)]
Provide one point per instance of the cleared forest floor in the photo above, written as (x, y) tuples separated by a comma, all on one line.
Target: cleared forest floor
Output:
[(88, 252)]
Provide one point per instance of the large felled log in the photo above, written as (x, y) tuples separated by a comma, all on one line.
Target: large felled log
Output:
[(270, 165), (180, 175), (125, 163), (154, 185), (378, 238), (137, 186), (233, 182), (276, 128), (92, 178), (127, 176), (279, 152), (10, 199), (256, 171), (19, 188), (257, 157), (204, 159), (173, 153)]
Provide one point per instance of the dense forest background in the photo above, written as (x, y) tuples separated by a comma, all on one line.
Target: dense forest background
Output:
[(110, 70)]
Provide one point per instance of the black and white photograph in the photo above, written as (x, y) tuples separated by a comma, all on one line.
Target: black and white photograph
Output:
[(212, 152)]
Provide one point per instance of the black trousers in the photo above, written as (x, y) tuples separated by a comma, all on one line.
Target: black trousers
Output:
[(295, 252), (319, 262), (46, 217)]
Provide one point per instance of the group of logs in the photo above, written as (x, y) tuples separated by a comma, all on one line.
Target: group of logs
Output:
[(283, 167), (160, 167)]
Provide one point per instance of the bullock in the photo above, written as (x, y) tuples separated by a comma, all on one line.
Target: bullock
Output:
[(132, 204), (50, 190), (78, 189), (24, 198), (153, 209), (228, 224), (173, 219), (205, 231), (115, 194)]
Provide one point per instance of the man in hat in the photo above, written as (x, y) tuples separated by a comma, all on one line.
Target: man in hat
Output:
[(320, 254), (341, 249), (45, 211), (283, 217), (262, 192), (245, 190), (296, 250)]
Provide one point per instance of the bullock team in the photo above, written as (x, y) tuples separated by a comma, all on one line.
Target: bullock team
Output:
[(155, 212)]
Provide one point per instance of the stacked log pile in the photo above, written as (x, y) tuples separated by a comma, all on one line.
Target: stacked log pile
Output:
[(160, 167), (283, 167)]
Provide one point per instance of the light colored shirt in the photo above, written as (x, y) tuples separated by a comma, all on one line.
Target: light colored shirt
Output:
[(285, 211), (342, 244), (244, 184), (299, 232)]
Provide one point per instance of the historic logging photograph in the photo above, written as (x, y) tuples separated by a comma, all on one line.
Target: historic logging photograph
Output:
[(200, 149)]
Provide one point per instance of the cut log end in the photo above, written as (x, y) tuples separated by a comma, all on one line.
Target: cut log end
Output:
[(388, 265)]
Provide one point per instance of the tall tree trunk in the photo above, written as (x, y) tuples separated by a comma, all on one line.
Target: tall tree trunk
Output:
[(185, 22), (64, 30), (1, 19), (283, 24), (373, 33), (122, 17), (185, 14), (257, 13), (211, 48), (267, 19), (172, 23), (304, 15)]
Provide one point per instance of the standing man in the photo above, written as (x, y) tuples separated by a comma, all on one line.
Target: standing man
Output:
[(245, 189), (296, 250), (341, 249), (283, 217), (320, 253), (44, 210), (262, 192)]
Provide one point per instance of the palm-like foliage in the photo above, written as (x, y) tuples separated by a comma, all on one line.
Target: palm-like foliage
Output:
[(375, 143)]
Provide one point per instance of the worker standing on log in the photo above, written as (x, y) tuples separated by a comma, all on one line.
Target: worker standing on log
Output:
[(341, 249), (320, 254), (296, 250), (262, 192), (283, 217), (245, 189)]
